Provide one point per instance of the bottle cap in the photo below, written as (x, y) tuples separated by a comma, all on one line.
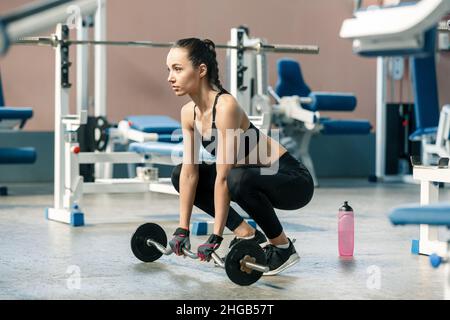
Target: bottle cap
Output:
[(345, 207)]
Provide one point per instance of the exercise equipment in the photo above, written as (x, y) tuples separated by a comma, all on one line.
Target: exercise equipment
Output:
[(429, 214), (140, 242), (298, 109), (14, 119), (259, 47), (101, 133), (407, 30), (244, 263), (403, 28)]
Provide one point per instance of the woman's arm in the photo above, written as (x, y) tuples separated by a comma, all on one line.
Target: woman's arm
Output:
[(228, 118), (189, 169)]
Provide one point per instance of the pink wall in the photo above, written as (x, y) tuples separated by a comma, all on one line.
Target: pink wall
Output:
[(137, 76)]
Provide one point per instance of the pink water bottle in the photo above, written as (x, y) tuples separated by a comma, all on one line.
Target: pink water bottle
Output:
[(346, 230)]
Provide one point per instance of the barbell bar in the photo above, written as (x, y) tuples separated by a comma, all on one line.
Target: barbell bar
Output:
[(214, 256), (260, 47)]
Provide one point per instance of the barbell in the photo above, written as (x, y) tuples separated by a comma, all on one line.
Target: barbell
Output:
[(259, 47), (244, 264)]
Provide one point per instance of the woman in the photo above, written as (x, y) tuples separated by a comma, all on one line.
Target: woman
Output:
[(275, 179)]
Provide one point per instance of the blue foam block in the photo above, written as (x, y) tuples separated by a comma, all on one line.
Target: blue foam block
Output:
[(77, 219), (415, 247), (202, 228)]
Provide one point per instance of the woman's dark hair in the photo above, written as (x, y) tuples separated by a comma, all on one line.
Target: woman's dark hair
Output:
[(203, 51)]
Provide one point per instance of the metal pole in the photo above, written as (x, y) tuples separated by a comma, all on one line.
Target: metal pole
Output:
[(100, 60), (380, 152), (61, 109), (273, 48), (100, 74), (82, 67)]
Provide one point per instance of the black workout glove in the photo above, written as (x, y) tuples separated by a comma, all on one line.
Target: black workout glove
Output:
[(180, 241), (205, 250)]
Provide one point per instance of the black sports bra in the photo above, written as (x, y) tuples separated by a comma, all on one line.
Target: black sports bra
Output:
[(211, 144)]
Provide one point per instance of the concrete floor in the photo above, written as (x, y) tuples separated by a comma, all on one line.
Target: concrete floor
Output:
[(40, 259)]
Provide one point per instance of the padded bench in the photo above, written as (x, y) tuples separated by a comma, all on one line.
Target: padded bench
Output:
[(291, 83), (432, 215), (164, 126), (303, 105), (166, 149), (436, 214), (13, 119), (17, 155), (169, 140)]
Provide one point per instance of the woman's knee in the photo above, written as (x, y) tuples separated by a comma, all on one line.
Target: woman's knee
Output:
[(176, 172)]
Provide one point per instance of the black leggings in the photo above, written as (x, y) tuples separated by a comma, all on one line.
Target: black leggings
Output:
[(288, 187)]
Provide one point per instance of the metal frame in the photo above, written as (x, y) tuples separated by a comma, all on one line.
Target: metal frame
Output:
[(68, 184), (402, 27), (247, 75), (440, 146), (381, 134), (428, 242)]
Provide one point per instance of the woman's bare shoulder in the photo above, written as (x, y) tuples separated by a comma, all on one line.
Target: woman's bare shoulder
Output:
[(227, 104)]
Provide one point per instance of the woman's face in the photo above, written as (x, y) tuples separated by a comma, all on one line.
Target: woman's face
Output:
[(183, 77)]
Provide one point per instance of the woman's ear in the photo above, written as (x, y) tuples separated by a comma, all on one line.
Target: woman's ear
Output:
[(203, 70)]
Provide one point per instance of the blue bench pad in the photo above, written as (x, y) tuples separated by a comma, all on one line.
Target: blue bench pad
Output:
[(16, 113), (436, 214), (166, 149), (345, 126), (154, 124), (17, 155)]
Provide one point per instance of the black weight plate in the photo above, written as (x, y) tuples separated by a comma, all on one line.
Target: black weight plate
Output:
[(233, 265), (139, 246), (101, 133)]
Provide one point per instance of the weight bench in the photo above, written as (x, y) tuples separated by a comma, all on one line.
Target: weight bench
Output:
[(297, 102), (433, 215), (159, 140), (164, 153), (138, 128), (14, 119), (144, 128), (436, 215)]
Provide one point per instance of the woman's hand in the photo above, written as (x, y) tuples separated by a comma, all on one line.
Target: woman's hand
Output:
[(205, 250), (180, 241)]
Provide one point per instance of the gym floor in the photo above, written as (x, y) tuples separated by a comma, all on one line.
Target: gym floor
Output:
[(41, 259)]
